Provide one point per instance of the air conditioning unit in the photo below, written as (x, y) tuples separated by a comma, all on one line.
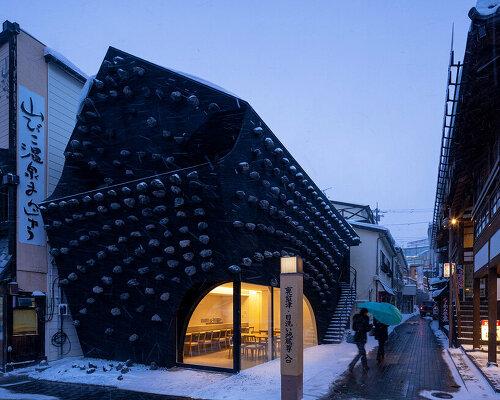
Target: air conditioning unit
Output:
[(63, 309)]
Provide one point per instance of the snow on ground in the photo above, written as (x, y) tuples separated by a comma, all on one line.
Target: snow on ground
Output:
[(464, 372), (7, 395), (322, 366)]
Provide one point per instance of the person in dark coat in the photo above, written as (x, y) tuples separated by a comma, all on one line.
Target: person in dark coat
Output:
[(381, 334), (361, 326)]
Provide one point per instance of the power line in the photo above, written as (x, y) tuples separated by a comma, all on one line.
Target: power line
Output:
[(409, 223)]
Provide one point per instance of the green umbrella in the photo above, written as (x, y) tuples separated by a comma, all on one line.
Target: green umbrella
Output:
[(383, 312)]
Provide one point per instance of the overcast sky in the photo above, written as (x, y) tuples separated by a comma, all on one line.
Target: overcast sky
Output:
[(354, 89)]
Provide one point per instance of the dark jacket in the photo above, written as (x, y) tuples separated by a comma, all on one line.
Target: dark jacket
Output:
[(380, 329), (361, 326)]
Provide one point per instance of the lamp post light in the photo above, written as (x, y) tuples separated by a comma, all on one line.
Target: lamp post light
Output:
[(450, 223), (291, 331)]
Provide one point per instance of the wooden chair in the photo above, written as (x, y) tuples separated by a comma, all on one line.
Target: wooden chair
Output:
[(194, 342), (215, 338), (206, 341), (222, 339)]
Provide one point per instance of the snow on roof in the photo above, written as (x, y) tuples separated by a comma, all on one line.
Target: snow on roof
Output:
[(436, 293), (48, 52), (375, 227), (370, 226), (205, 82), (487, 7), (435, 281)]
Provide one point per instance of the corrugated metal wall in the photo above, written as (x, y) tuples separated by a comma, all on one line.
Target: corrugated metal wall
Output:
[(4, 96), (63, 95)]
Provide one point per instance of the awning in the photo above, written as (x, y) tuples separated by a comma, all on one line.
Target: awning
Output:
[(387, 288)]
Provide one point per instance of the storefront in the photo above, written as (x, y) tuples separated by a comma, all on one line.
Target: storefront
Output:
[(209, 336)]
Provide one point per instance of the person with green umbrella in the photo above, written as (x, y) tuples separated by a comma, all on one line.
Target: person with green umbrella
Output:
[(361, 326), (381, 334)]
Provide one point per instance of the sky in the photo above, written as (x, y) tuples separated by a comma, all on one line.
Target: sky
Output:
[(354, 89)]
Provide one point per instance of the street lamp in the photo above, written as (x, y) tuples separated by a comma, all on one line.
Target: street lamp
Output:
[(291, 331), (450, 223)]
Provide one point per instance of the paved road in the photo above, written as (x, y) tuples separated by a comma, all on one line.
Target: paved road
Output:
[(27, 388), (413, 362)]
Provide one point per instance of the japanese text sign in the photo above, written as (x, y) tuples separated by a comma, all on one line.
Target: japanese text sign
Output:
[(31, 166), (291, 330)]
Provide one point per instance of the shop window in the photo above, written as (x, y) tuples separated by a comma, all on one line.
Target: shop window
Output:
[(468, 236), (209, 335), (258, 337), (25, 322)]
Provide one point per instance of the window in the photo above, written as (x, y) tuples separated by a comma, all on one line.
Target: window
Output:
[(209, 333), (468, 236), (25, 322)]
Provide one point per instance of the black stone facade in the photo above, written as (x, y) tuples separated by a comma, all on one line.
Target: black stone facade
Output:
[(170, 188)]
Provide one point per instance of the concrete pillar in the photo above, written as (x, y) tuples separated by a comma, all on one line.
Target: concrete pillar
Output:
[(492, 316), (476, 312)]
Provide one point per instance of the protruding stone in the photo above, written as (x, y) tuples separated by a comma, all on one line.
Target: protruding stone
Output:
[(204, 239), (234, 269), (156, 318), (165, 296), (206, 253), (247, 262), (117, 269), (97, 289), (149, 291), (132, 338), (190, 271), (207, 266)]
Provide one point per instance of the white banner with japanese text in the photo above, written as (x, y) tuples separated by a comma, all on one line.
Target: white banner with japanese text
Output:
[(31, 166)]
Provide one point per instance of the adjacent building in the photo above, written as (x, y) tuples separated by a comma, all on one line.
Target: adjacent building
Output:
[(39, 91), (380, 265), (466, 217)]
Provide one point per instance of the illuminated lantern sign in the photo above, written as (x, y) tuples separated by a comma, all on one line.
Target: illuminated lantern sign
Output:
[(446, 269), (484, 329)]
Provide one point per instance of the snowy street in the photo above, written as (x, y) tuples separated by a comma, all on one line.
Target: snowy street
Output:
[(413, 364)]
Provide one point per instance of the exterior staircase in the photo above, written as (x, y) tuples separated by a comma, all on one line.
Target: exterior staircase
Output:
[(466, 308), (342, 315)]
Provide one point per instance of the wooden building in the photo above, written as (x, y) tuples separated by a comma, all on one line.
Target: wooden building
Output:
[(466, 216)]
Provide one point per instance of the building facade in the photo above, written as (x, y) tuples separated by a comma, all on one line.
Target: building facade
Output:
[(466, 218), (38, 100), (175, 205)]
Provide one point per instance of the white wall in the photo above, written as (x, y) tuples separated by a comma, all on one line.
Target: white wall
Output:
[(63, 96), (62, 101), (364, 259)]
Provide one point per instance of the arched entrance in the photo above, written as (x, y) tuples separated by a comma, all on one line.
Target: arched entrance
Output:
[(212, 333)]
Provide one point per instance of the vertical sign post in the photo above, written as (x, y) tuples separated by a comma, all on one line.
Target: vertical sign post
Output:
[(291, 329)]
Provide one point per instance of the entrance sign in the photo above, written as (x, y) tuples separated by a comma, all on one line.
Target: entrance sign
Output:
[(291, 329), (31, 164)]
